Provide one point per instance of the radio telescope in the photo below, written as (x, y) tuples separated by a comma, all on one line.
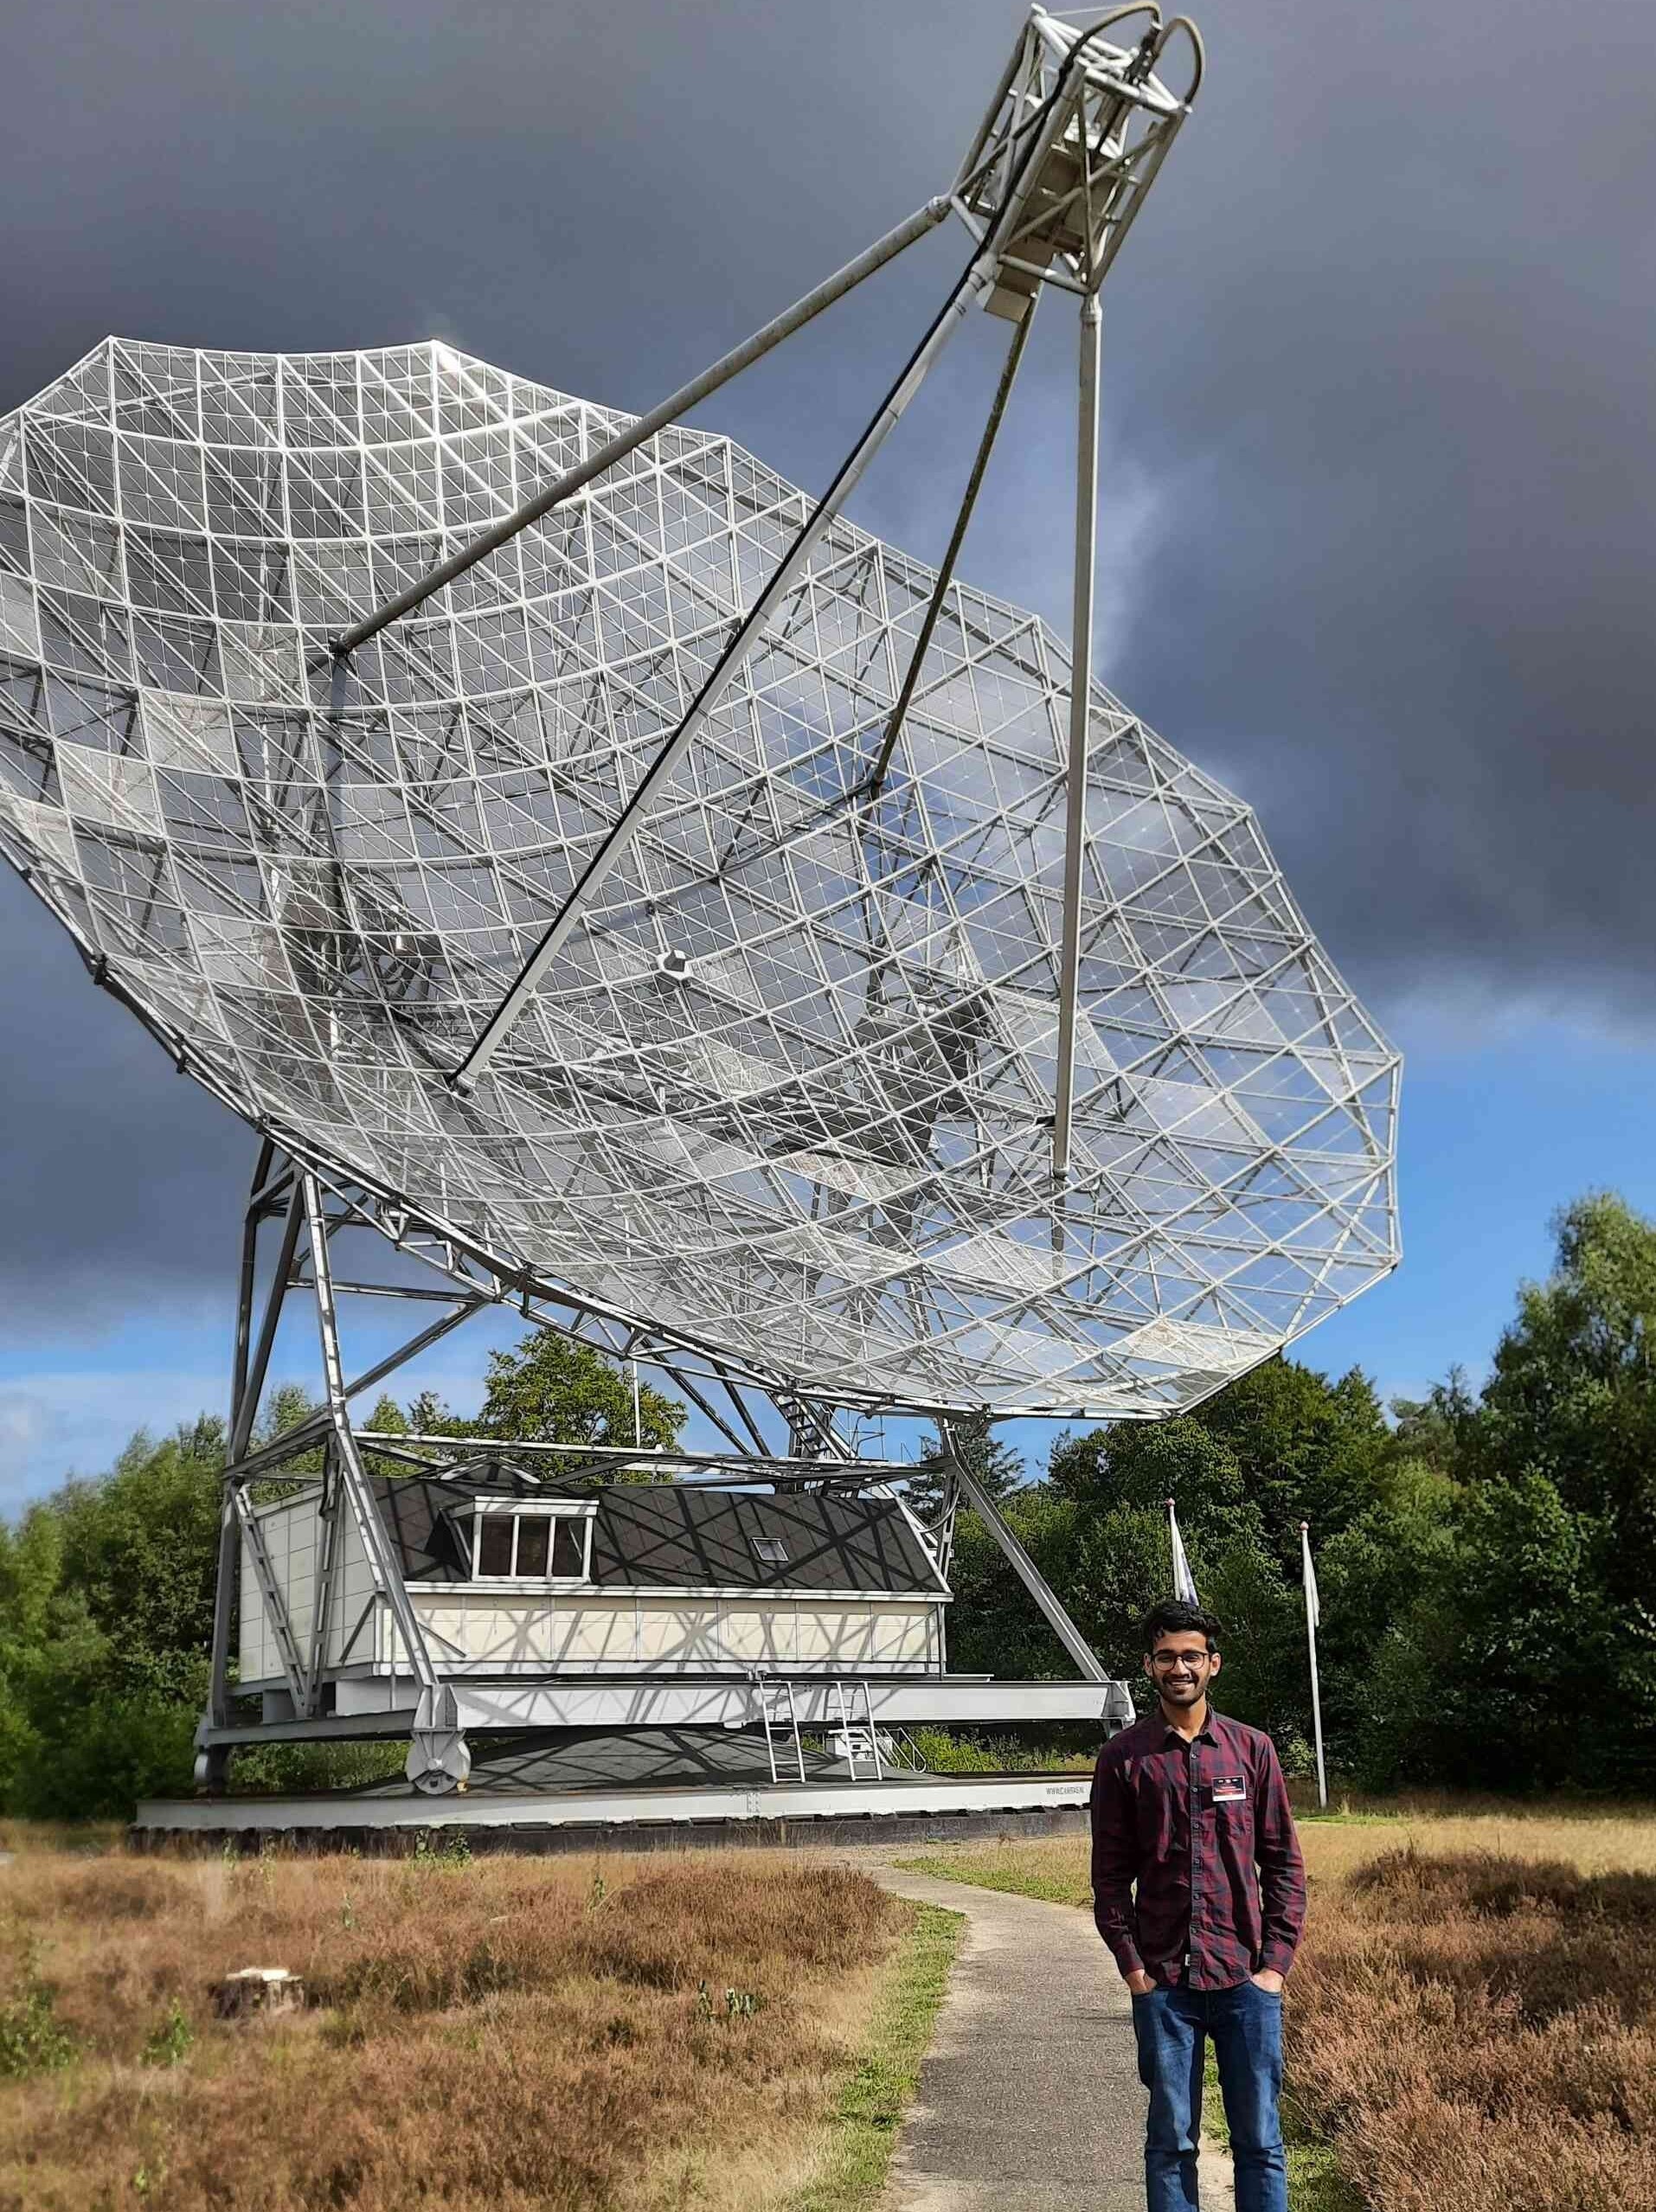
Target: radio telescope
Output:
[(670, 903)]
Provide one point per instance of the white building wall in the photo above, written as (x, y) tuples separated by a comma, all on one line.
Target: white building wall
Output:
[(587, 1630), (290, 1533), (576, 1631), (353, 1591)]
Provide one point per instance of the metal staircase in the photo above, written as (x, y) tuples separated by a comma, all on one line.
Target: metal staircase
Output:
[(765, 1691), (779, 1715)]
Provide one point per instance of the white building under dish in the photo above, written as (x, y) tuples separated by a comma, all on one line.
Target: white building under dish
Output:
[(511, 1579)]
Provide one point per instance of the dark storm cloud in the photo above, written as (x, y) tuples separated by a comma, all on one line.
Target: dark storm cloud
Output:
[(119, 1181), (1379, 485)]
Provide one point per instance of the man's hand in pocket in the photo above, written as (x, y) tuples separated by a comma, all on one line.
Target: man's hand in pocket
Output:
[(1268, 1980), (1141, 1983)]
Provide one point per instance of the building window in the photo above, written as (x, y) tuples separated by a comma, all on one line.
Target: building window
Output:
[(770, 1551), (530, 1544)]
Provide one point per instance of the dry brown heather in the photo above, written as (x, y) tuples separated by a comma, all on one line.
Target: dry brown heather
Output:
[(1591, 1840), (1472, 2016), (507, 2034), (1478, 2033)]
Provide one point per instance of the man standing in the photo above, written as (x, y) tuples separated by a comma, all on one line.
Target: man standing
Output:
[(1192, 1807)]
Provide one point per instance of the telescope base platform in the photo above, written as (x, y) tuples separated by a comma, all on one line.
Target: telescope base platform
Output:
[(825, 1810)]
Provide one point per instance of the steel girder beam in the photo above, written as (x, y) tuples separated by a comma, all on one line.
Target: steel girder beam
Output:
[(951, 554), (326, 1571), (1026, 1570), (274, 1601), (1001, 218), (438, 1757), (446, 1700), (1081, 697), (581, 1702)]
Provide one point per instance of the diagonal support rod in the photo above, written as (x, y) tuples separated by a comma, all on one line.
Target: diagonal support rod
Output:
[(382, 1564), (326, 1575), (946, 574), (250, 1375), (314, 1427), (639, 432), (969, 289), (622, 833), (1080, 690), (1027, 1571), (274, 1600)]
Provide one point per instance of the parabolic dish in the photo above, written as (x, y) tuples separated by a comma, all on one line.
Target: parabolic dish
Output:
[(787, 1096)]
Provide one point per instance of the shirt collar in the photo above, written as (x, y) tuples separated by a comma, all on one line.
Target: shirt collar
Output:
[(1207, 1732)]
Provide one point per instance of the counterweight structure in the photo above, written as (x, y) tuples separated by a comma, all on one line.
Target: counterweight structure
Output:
[(640, 896)]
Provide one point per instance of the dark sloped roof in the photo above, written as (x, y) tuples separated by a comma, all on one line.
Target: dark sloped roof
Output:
[(682, 1535)]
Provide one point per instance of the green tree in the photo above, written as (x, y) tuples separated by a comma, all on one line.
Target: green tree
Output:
[(994, 1627), (140, 1547), (1143, 1464), (1573, 1391), (388, 1418), (552, 1391), (1559, 1528), (105, 1610), (31, 1574), (1440, 1429), (429, 1415), (988, 1459), (284, 1409), (1108, 1562), (1307, 1448), (1386, 1576)]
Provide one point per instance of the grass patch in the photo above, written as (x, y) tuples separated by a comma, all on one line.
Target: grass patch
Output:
[(516, 2033), (1338, 1844), (80, 1838), (945, 1752), (864, 2128), (1054, 1869)]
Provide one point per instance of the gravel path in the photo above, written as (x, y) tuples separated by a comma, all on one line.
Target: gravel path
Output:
[(1029, 2097)]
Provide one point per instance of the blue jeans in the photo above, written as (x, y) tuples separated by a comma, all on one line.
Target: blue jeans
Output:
[(1246, 2025)]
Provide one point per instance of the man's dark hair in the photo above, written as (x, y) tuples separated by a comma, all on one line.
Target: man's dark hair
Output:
[(1173, 1616)]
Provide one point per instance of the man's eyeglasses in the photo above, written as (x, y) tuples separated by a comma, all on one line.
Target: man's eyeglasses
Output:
[(1179, 1658)]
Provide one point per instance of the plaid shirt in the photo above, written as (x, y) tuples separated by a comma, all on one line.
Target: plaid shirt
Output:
[(1205, 1831)]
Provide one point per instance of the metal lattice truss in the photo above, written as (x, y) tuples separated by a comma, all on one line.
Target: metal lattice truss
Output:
[(787, 1093)]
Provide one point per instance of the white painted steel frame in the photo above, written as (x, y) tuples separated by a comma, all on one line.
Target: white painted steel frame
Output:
[(694, 1702), (446, 1692)]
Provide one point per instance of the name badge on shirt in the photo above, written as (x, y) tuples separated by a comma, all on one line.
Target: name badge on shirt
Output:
[(1229, 1789)]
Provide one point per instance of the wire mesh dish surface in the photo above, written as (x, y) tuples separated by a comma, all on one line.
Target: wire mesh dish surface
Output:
[(786, 1097)]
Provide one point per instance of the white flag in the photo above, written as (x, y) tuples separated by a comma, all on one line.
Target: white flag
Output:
[(1313, 1609), (1183, 1581)]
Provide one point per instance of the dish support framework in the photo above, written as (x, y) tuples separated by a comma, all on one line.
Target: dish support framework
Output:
[(1072, 140), (296, 1217)]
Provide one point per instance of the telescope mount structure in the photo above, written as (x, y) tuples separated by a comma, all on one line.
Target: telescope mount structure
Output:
[(671, 912)]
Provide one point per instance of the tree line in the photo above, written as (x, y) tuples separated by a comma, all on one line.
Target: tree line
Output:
[(1487, 1558)]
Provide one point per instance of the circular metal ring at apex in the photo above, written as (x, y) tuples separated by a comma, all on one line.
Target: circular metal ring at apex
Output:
[(787, 1093)]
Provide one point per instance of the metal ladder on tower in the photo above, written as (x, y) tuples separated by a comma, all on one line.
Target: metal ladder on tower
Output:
[(850, 1732), (764, 1689)]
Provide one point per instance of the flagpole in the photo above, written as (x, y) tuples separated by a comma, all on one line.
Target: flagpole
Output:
[(1313, 1610), (1183, 1581)]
